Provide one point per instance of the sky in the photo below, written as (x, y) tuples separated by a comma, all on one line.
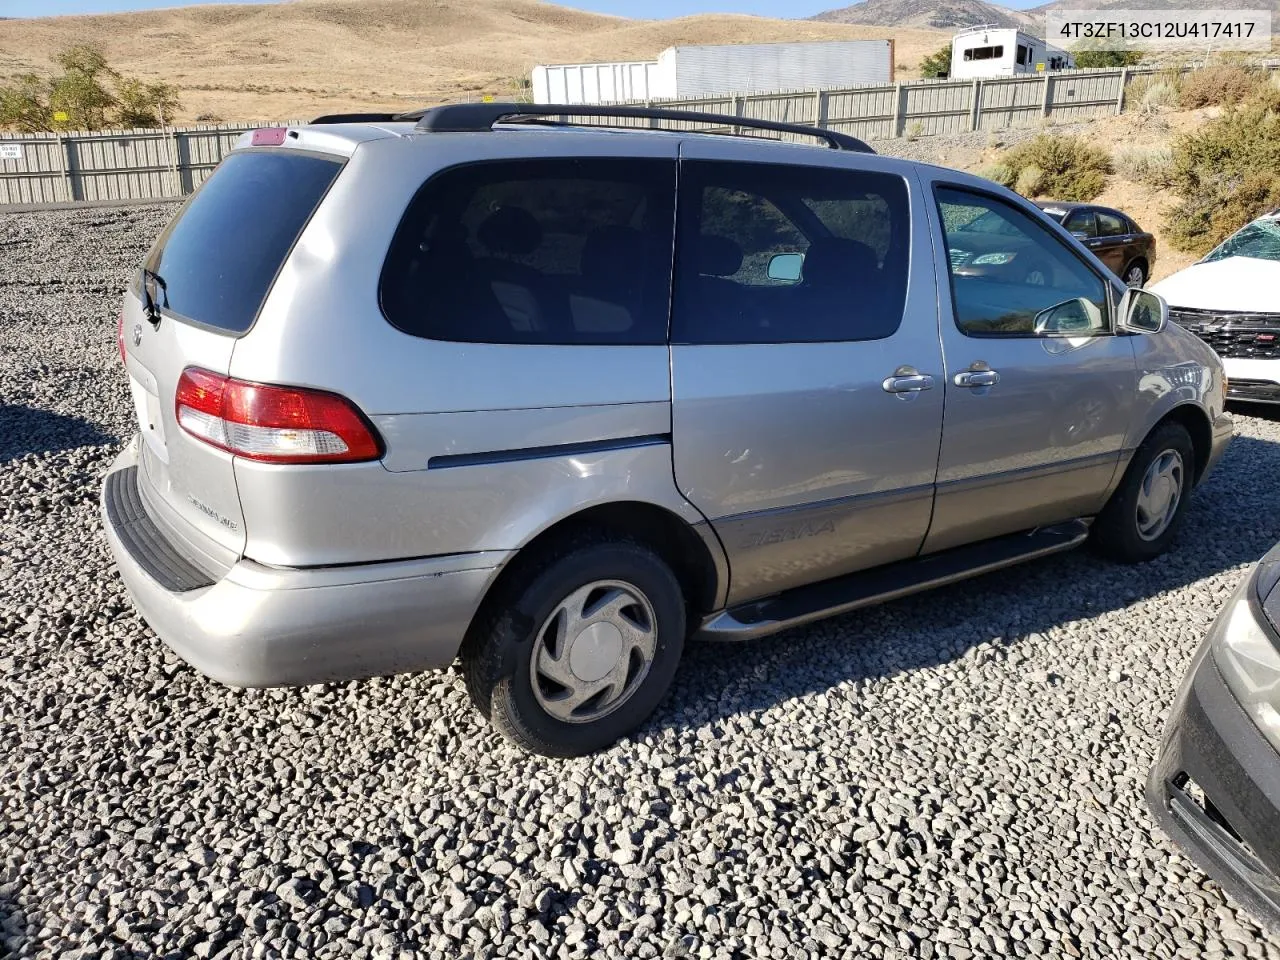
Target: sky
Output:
[(627, 8)]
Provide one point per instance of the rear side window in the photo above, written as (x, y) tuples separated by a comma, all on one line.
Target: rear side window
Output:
[(217, 259), (772, 253), (1110, 225), (1081, 221), (544, 251)]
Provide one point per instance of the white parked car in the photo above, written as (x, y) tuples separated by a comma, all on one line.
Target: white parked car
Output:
[(1231, 300)]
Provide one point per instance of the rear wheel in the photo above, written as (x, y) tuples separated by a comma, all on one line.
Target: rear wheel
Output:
[(1135, 275), (578, 649), (1141, 519)]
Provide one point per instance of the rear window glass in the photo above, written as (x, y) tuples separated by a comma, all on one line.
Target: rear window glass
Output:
[(549, 251), (218, 258)]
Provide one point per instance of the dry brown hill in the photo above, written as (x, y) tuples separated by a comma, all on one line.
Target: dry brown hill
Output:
[(946, 15), (297, 59)]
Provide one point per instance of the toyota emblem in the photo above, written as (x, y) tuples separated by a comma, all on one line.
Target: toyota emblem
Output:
[(137, 334)]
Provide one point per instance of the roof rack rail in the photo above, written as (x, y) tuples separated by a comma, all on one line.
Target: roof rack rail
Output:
[(362, 118), (481, 117)]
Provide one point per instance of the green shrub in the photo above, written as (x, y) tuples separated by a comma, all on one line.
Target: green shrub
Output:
[(1001, 173), (1031, 181), (1153, 92), (22, 104), (1064, 168), (937, 64), (87, 95), (141, 104), (1150, 165), (1218, 85), (1091, 59), (1226, 173)]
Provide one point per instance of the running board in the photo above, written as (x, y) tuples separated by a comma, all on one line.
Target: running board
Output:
[(864, 588)]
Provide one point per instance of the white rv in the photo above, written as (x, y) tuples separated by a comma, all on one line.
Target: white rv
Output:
[(989, 51)]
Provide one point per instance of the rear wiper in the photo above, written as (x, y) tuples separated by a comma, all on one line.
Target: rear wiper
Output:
[(149, 279)]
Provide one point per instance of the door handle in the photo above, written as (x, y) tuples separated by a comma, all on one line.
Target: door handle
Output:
[(977, 378), (907, 383)]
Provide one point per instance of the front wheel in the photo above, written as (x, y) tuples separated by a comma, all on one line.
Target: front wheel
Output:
[(580, 649), (1142, 517)]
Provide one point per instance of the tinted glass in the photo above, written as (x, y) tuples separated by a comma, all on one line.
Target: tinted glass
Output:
[(744, 228), (1081, 221), (1109, 225), (218, 258), (1020, 282), (568, 251)]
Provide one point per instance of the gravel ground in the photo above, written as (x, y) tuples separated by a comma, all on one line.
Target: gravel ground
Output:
[(954, 775)]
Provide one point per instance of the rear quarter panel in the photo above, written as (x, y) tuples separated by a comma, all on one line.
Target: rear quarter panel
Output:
[(322, 327)]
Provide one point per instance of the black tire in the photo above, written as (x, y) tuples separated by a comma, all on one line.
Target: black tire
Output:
[(1115, 532), (1129, 274), (496, 656)]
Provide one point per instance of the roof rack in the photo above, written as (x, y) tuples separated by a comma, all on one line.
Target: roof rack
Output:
[(360, 118), (481, 117)]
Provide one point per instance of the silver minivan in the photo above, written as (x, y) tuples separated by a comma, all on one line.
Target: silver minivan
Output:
[(484, 385)]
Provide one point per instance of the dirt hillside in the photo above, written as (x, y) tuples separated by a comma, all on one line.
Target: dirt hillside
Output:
[(296, 59)]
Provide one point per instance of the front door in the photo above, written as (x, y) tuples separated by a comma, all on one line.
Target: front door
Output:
[(806, 367), (1039, 389)]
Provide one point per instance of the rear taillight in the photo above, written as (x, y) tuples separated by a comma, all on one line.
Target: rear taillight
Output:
[(270, 424), (120, 333)]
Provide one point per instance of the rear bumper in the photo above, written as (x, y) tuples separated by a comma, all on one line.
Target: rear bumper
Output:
[(260, 626), (1211, 741)]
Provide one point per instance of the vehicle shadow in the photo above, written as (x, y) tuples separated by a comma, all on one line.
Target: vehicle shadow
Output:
[(13, 927), (1226, 526), (1260, 411), (26, 430)]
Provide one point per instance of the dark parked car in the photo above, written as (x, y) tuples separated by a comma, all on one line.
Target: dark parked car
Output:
[(1215, 787), (1127, 249)]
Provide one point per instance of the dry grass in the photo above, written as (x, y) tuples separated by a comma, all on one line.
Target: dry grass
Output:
[(312, 56), (1220, 84)]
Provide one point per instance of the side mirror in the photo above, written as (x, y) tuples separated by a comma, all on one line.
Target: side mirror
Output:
[(1141, 311), (1070, 318), (786, 267), (1080, 235)]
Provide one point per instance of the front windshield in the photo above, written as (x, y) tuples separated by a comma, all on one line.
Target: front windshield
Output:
[(1260, 240), (1054, 214)]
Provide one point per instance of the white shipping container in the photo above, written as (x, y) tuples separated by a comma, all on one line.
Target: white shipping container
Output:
[(596, 82), (705, 71), (713, 70)]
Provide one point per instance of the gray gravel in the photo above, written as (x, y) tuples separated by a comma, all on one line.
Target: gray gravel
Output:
[(954, 775)]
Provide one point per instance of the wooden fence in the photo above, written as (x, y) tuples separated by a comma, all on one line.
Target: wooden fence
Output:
[(47, 168), (105, 165)]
